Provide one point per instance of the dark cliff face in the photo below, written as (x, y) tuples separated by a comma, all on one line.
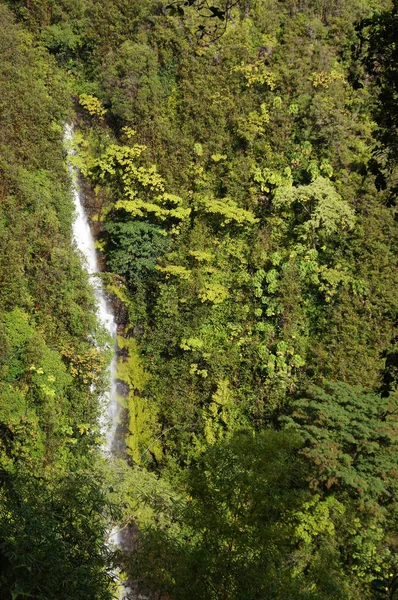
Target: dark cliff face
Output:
[(121, 314)]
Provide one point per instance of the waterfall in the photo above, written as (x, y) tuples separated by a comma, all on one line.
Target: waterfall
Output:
[(84, 241)]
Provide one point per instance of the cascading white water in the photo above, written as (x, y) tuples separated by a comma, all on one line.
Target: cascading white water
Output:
[(84, 241)]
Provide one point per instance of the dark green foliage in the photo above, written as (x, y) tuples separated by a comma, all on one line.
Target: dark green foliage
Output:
[(50, 546), (134, 249), (33, 100), (390, 372), (132, 82), (380, 50), (351, 440), (235, 537)]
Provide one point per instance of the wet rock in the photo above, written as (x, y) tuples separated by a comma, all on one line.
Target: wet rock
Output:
[(122, 388)]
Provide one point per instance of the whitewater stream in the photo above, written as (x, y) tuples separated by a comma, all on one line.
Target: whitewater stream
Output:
[(84, 241)]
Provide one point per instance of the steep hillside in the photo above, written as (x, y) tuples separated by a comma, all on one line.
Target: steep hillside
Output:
[(241, 166)]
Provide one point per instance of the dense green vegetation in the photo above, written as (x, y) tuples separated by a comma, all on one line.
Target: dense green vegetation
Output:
[(241, 162), (54, 512)]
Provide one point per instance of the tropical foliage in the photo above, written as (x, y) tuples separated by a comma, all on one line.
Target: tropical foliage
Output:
[(239, 162)]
